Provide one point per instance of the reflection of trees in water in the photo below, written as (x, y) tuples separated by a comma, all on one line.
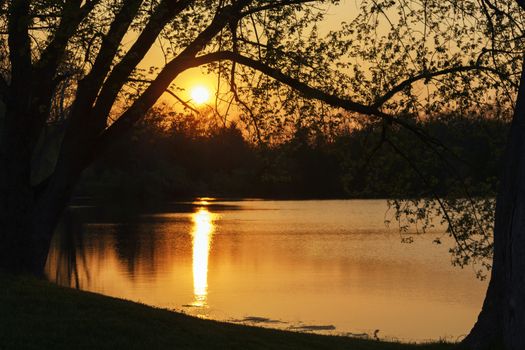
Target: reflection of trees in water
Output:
[(136, 238), (67, 258), (135, 250), (119, 239)]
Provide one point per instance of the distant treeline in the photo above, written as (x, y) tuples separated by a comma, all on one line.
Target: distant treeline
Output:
[(172, 158)]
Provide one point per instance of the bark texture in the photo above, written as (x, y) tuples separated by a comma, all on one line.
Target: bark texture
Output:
[(502, 318)]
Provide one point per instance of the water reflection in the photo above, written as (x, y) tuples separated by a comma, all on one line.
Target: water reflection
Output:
[(328, 266), (66, 263), (202, 235)]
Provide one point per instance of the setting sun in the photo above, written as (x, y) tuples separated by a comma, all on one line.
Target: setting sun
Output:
[(200, 94)]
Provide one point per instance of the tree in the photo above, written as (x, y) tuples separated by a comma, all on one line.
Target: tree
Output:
[(502, 318), (72, 54), (68, 63)]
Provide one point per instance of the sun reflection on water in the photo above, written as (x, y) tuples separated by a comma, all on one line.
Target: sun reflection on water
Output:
[(202, 235)]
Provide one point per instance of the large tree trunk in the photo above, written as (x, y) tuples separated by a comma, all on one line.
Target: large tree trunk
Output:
[(28, 221), (28, 213), (502, 318), (18, 242)]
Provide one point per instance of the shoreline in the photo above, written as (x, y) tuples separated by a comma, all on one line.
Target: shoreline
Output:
[(38, 314)]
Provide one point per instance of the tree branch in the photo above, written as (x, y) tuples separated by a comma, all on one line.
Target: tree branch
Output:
[(122, 70), (169, 92), (429, 75), (19, 47), (297, 57), (274, 5), (90, 85), (72, 15), (304, 89), (184, 103), (82, 129), (46, 69)]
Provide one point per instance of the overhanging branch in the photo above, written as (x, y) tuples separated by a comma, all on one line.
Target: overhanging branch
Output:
[(304, 89), (429, 75), (314, 93)]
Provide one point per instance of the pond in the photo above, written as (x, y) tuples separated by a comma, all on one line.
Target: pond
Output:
[(329, 266)]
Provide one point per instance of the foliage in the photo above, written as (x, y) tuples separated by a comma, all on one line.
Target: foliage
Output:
[(171, 154)]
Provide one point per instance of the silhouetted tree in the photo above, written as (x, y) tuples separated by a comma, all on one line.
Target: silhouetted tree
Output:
[(67, 62)]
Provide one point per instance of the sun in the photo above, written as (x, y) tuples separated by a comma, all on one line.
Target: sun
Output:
[(200, 94)]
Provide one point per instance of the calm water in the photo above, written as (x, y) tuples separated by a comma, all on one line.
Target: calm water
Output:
[(330, 266)]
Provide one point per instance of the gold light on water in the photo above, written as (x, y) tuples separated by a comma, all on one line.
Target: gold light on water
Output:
[(202, 235)]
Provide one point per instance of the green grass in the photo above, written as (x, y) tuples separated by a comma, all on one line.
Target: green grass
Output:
[(36, 314)]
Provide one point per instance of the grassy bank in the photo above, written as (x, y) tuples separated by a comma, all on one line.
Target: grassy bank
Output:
[(38, 315)]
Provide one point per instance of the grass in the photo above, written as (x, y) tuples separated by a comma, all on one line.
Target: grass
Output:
[(35, 314)]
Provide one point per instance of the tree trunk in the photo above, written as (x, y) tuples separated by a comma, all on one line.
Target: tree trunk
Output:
[(17, 241), (28, 222), (28, 216), (502, 318)]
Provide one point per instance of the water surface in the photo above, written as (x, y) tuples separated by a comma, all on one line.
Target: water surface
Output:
[(328, 266)]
